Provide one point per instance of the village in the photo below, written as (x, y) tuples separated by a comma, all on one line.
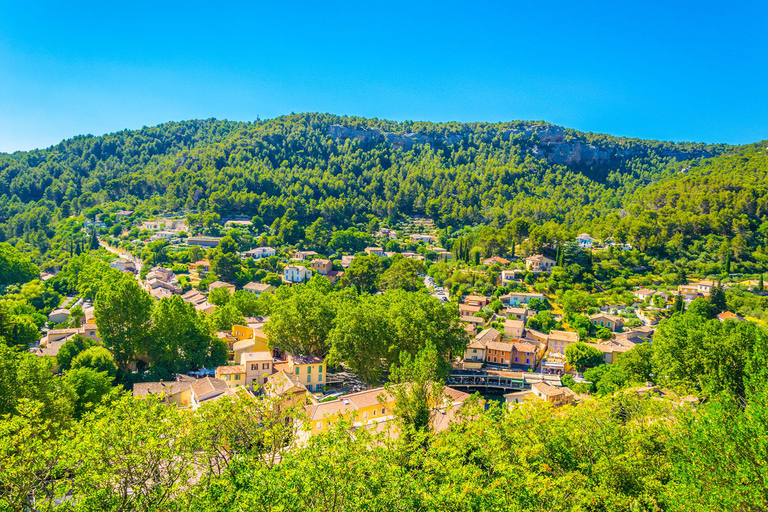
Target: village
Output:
[(508, 355)]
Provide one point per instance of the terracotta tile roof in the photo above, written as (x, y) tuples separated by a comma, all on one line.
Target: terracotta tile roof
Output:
[(499, 345), (230, 370), (571, 337)]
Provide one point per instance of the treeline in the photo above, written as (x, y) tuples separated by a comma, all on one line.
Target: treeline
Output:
[(289, 172)]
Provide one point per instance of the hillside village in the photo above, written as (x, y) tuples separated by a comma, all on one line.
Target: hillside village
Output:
[(517, 332)]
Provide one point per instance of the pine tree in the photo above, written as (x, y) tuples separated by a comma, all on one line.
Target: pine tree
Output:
[(94, 245)]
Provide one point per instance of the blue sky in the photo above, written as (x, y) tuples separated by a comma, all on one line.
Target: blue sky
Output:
[(694, 71)]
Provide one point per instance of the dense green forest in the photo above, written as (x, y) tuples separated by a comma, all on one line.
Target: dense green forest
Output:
[(291, 171)]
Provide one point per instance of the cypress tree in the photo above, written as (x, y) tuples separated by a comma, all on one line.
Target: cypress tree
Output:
[(513, 248), (760, 283), (728, 262)]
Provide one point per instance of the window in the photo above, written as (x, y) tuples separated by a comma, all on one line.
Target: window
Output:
[(383, 410), (237, 377), (254, 367), (319, 425), (494, 359), (515, 359), (309, 369), (365, 415), (297, 370), (265, 366), (527, 361), (320, 369), (309, 378)]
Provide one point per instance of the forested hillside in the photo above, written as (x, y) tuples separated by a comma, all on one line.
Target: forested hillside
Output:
[(345, 170)]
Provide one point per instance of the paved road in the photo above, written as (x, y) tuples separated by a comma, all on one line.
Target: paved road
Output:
[(126, 256)]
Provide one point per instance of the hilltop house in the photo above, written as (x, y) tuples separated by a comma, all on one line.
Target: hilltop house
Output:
[(585, 241), (614, 323), (375, 251), (295, 274), (539, 263), (258, 288)]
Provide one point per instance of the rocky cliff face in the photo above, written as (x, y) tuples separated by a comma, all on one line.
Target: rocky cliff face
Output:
[(546, 140)]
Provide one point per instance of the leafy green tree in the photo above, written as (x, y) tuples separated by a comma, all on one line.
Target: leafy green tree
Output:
[(219, 296), (581, 356), (123, 313), (224, 317), (28, 378), (90, 386), (403, 274), (701, 308), (302, 318), (70, 349), (98, 359), (15, 267), (181, 338), (363, 273), (246, 303), (416, 385), (717, 300), (131, 455)]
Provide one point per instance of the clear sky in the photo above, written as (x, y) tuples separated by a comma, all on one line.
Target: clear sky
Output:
[(671, 70)]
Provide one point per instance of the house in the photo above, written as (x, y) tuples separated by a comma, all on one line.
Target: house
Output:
[(539, 263), (475, 351), (498, 352), (524, 353), (705, 287), (304, 255), (363, 407), (697, 290), (58, 316), (495, 259), (346, 260), (727, 315), (466, 310), (286, 386), (258, 367), (442, 254), (232, 375), (322, 266), (185, 392), (374, 409), (412, 256), (613, 323), (307, 370), (518, 397), (519, 313), (201, 267), (557, 341), (249, 339), (386, 232), (515, 298), (221, 284), (509, 276), (203, 241), (611, 349), (260, 252), (123, 265), (56, 338), (374, 251), (418, 237), (296, 274), (514, 328), (585, 241), (476, 300), (123, 215), (258, 288), (552, 394), (334, 276), (194, 297)]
